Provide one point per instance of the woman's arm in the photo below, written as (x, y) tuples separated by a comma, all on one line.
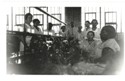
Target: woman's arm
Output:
[(108, 57), (107, 54)]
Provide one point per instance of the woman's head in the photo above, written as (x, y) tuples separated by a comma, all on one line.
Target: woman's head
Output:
[(107, 32), (87, 24), (49, 26), (36, 22), (90, 35), (28, 18), (94, 22), (63, 28), (79, 28)]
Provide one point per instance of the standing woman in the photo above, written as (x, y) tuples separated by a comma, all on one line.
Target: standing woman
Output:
[(87, 29), (27, 24), (49, 30), (95, 29), (64, 31), (27, 28), (80, 34), (36, 23)]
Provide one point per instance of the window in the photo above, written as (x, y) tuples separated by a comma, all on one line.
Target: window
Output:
[(111, 19), (89, 16), (19, 19)]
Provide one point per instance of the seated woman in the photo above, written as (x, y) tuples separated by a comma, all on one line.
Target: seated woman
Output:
[(108, 49), (88, 45), (37, 30)]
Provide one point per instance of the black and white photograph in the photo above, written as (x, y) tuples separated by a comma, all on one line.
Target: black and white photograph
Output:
[(74, 38)]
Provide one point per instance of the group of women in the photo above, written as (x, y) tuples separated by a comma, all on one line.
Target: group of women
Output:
[(98, 45)]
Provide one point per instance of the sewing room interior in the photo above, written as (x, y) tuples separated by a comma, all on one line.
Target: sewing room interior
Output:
[(48, 40)]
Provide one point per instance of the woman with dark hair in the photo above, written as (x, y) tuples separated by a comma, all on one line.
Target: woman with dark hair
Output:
[(88, 45), (49, 30), (36, 23), (107, 35), (27, 28), (80, 34), (95, 29), (107, 32), (49, 27), (94, 24), (27, 24), (87, 28), (108, 49), (63, 31), (72, 30)]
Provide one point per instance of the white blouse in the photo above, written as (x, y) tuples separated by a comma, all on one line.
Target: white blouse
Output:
[(37, 31), (111, 43)]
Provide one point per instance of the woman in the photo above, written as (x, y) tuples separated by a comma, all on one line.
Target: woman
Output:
[(87, 28), (88, 45), (36, 23), (108, 49), (49, 30), (63, 31), (27, 25), (27, 28), (95, 29), (109, 43), (80, 34)]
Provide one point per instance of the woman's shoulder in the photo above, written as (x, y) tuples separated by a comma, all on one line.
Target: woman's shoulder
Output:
[(111, 43)]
